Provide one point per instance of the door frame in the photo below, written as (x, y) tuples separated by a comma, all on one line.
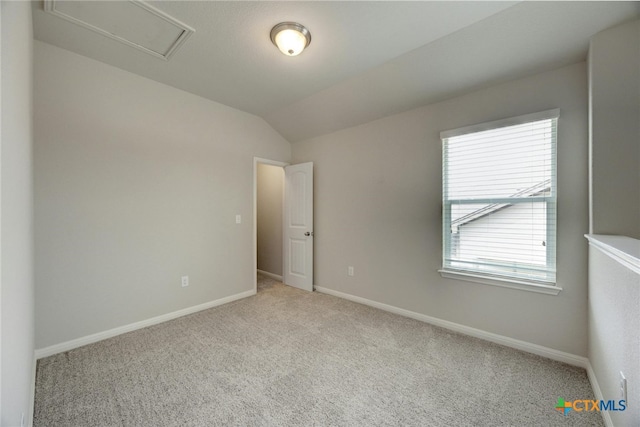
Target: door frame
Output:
[(256, 161)]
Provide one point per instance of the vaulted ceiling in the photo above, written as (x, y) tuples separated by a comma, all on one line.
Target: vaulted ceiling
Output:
[(366, 59)]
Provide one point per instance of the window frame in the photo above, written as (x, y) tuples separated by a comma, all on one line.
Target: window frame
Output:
[(503, 280)]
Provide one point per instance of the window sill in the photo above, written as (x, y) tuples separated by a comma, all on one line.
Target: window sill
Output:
[(504, 283)]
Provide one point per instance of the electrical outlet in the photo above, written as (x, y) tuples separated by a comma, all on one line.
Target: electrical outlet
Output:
[(350, 271), (623, 387), (185, 281), (238, 219)]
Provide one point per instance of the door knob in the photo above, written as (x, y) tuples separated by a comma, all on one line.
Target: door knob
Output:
[(308, 234)]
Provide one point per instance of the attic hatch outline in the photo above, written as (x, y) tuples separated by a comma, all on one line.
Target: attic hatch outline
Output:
[(185, 30)]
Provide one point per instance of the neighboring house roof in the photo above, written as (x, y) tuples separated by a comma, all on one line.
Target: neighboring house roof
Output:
[(534, 190)]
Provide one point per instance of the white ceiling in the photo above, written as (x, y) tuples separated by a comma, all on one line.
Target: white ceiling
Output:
[(366, 59)]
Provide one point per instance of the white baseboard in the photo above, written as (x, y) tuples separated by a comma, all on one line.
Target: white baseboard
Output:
[(89, 339), (606, 417), (539, 350), (273, 276)]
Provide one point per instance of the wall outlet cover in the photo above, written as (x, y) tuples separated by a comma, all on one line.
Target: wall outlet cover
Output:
[(623, 386)]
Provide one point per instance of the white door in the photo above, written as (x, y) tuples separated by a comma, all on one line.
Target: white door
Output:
[(298, 226)]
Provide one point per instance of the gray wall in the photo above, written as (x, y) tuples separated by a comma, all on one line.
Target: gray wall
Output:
[(378, 208), (136, 184), (614, 342), (16, 261), (614, 290), (269, 217), (614, 83)]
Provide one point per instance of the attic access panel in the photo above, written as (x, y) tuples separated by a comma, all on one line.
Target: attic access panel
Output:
[(134, 23)]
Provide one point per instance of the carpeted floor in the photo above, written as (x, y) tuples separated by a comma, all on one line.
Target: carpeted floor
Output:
[(286, 357)]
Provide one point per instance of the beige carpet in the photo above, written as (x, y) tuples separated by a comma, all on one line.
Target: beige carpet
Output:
[(286, 357)]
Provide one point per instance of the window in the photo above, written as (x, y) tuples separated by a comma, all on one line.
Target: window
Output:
[(499, 202)]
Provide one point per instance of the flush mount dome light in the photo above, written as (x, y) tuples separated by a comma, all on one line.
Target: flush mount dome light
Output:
[(290, 37)]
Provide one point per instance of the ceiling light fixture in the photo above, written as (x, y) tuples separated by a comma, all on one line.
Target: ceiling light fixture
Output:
[(290, 37)]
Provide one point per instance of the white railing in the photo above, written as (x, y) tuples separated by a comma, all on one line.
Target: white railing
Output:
[(625, 250)]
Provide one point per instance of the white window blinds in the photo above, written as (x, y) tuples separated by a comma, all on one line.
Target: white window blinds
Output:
[(499, 198)]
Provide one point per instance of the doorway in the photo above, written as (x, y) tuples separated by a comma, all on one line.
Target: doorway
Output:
[(283, 222), (269, 181), (268, 186)]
